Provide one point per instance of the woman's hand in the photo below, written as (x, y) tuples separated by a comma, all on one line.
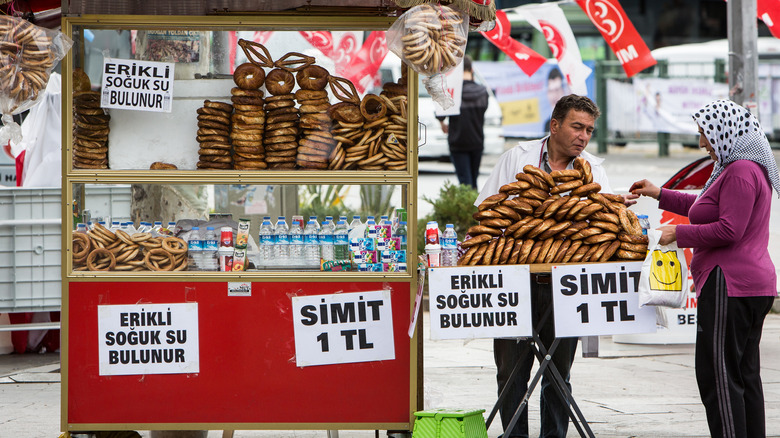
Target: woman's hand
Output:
[(668, 234), (645, 188)]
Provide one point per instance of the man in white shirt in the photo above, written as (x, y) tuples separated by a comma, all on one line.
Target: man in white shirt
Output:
[(571, 126)]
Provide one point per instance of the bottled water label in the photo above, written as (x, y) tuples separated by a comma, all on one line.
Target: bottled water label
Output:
[(210, 245), (341, 239), (310, 239), (448, 242), (296, 239), (282, 239), (195, 245), (266, 239)]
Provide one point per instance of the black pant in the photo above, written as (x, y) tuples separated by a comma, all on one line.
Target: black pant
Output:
[(508, 352), (728, 363), (467, 166)]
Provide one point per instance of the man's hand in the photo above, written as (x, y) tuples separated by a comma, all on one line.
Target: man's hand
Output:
[(444, 127)]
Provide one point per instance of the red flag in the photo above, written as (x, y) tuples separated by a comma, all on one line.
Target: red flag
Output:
[(525, 58), (321, 39), (769, 13), (364, 65), (613, 23)]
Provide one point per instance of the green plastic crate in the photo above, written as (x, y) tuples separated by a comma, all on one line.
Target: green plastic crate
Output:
[(449, 423)]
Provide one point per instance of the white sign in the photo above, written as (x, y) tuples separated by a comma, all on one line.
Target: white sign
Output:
[(137, 85), (239, 289), (343, 328), (599, 299), (148, 339), (480, 302)]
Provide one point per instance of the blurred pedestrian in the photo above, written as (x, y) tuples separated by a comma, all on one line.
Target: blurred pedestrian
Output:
[(465, 134), (735, 278)]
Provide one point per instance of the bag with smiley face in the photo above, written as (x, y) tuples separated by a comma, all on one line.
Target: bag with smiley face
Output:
[(664, 278)]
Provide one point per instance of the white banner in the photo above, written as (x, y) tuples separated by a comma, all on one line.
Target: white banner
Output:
[(137, 85), (599, 299), (549, 19), (666, 104), (343, 328), (480, 302), (148, 339)]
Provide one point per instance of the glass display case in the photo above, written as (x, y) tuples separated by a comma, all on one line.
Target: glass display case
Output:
[(238, 138)]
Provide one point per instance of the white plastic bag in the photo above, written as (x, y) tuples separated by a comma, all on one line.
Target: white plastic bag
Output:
[(28, 54), (431, 40), (664, 278)]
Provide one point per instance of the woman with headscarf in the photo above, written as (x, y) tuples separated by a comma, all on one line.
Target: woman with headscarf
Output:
[(735, 279)]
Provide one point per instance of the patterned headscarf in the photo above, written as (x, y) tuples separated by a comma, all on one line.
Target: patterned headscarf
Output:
[(735, 134)]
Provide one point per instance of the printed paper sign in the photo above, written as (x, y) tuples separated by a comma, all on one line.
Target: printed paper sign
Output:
[(343, 328), (137, 85), (480, 302), (239, 289), (599, 299), (148, 339)]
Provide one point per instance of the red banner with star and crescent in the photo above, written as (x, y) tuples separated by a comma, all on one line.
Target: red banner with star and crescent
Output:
[(528, 60), (621, 35)]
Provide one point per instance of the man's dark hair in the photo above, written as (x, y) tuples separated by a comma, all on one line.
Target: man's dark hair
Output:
[(554, 74), (574, 102), (467, 63)]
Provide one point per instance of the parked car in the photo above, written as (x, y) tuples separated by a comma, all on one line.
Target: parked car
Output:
[(433, 142)]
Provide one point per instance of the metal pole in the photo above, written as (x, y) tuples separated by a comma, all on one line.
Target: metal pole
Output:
[(743, 53)]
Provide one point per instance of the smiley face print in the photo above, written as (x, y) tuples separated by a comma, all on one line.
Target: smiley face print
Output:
[(666, 271)]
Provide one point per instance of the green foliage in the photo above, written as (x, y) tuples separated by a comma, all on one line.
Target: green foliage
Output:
[(324, 200), (455, 205), (375, 200)]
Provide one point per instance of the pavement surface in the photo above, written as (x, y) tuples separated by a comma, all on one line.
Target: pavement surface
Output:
[(630, 390)]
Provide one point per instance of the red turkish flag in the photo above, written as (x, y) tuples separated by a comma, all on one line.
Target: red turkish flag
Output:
[(525, 58), (621, 35), (321, 39), (769, 13), (364, 65)]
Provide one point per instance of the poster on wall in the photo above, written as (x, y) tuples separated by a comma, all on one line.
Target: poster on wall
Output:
[(527, 102), (666, 104), (173, 45), (148, 339)]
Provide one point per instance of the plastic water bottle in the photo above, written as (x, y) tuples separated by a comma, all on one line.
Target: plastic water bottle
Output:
[(194, 250), (282, 240), (209, 260), (81, 228), (128, 227), (156, 228), (311, 244), (331, 224), (384, 220), (316, 222), (171, 228), (449, 246), (342, 218), (401, 233), (296, 242), (644, 222), (115, 225), (371, 228), (341, 241), (266, 243), (326, 241), (356, 222)]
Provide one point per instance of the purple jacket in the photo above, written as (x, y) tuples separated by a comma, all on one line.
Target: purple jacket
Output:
[(729, 228)]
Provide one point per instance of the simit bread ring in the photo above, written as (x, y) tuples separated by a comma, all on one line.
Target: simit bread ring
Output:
[(153, 265), (600, 238), (82, 244), (611, 197), (535, 171), (499, 250), (496, 223), (567, 186), (509, 245), (555, 229), (492, 201), (539, 211), (534, 254), (598, 197), (312, 77), (249, 76), (486, 214), (552, 254), (101, 259), (487, 258), (629, 222), (478, 255), (519, 206), (515, 256), (587, 211), (540, 228), (174, 245), (606, 217), (630, 255), (635, 247), (565, 208), (587, 232), (507, 212), (279, 82), (630, 238), (573, 248), (467, 256), (543, 250), (560, 175), (604, 225), (476, 240), (515, 187), (552, 209), (373, 107), (527, 227), (586, 189), (610, 251), (583, 166), (510, 230), (562, 251), (525, 250)]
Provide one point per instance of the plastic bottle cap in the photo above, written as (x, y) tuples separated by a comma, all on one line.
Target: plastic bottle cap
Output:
[(196, 228)]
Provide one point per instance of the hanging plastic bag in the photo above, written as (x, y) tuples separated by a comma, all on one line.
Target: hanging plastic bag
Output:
[(431, 40), (28, 54), (664, 276)]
